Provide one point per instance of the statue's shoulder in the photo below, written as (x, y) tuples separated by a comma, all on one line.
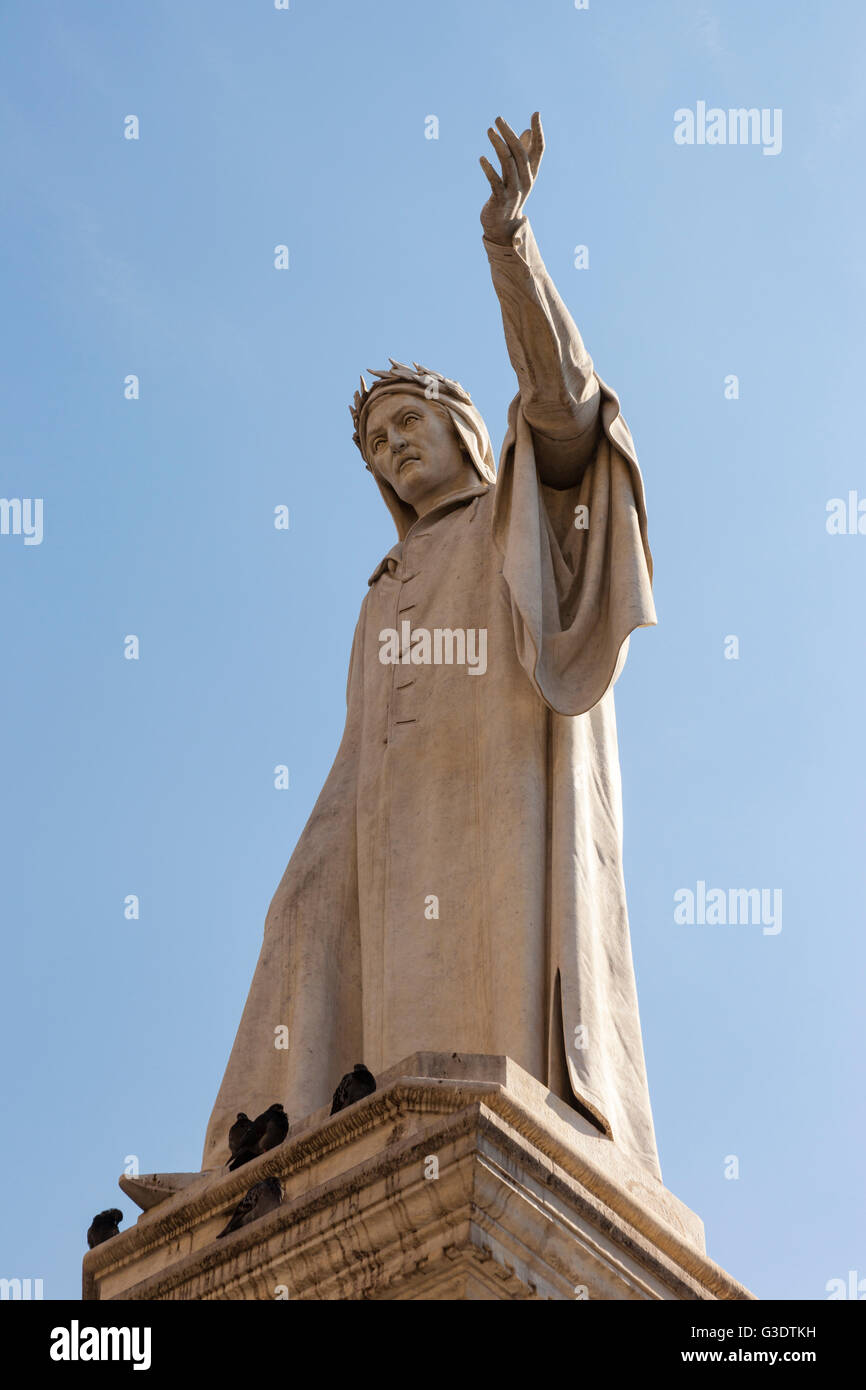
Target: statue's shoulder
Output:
[(386, 565)]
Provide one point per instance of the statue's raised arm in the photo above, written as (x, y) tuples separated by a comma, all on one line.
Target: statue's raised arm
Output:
[(558, 389)]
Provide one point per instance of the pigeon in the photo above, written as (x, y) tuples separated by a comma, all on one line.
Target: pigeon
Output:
[(354, 1086), (276, 1128), (262, 1197), (266, 1131), (238, 1132), (104, 1226)]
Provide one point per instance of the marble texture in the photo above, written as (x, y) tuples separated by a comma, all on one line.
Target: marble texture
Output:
[(459, 884), (461, 1178)]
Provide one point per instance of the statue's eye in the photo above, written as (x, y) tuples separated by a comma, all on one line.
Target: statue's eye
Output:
[(377, 444), (407, 418)]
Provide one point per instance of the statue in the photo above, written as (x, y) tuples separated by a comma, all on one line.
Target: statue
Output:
[(459, 885)]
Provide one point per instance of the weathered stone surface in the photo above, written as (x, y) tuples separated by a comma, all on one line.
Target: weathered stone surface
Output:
[(460, 882), (149, 1189), (530, 1202)]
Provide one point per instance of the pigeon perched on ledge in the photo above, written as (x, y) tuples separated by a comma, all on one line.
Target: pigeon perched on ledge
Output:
[(262, 1197), (355, 1085), (239, 1132), (104, 1226), (265, 1132)]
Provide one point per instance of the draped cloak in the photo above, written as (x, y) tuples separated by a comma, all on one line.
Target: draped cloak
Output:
[(496, 795)]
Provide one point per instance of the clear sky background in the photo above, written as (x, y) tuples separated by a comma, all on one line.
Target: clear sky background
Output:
[(155, 777)]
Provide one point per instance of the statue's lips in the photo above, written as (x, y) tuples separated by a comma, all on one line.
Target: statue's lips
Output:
[(404, 462)]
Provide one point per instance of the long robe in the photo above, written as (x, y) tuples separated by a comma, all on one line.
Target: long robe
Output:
[(491, 800)]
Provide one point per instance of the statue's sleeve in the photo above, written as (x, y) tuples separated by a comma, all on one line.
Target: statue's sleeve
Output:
[(576, 561), (558, 387)]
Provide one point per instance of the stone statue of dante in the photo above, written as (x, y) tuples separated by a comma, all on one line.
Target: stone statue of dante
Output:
[(459, 884)]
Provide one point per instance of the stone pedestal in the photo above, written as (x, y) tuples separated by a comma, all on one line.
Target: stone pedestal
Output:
[(460, 1178)]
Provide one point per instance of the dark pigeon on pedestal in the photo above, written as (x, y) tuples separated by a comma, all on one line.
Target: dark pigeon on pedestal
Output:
[(266, 1131), (239, 1133), (262, 1197), (104, 1226), (355, 1085)]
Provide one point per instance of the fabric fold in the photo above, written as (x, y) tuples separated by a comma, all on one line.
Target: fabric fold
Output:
[(579, 587)]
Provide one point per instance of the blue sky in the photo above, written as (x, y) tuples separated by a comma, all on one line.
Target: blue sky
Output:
[(155, 777)]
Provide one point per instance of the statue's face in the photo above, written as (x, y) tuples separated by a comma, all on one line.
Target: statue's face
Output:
[(413, 445)]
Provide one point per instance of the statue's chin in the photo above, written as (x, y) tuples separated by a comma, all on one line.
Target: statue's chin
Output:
[(413, 496), (409, 477)]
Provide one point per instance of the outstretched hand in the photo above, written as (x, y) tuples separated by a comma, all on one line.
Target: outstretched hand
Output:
[(519, 157)]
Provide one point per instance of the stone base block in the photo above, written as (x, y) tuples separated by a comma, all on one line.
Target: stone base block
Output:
[(460, 1178)]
